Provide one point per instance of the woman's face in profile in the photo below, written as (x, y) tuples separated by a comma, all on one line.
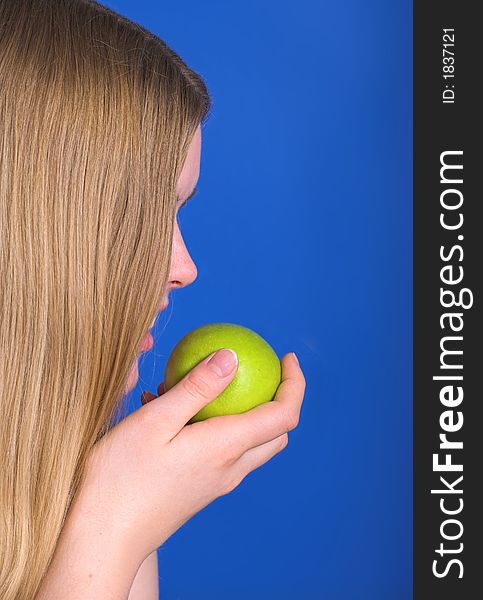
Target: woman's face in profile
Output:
[(183, 269)]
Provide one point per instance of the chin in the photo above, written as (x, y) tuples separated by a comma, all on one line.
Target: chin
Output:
[(132, 378)]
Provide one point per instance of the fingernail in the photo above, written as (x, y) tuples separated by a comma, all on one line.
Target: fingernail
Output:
[(295, 356), (147, 397), (223, 362)]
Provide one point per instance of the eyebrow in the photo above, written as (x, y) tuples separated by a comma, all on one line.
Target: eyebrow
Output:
[(195, 189)]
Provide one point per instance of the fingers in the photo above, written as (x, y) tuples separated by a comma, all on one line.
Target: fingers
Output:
[(258, 456), (199, 387), (270, 420), (148, 396)]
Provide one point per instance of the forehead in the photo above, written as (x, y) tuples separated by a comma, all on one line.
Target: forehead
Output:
[(191, 168)]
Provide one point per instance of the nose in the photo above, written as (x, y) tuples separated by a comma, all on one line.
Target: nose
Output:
[(183, 269)]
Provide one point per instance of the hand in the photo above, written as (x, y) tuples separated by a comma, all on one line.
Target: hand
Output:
[(152, 472)]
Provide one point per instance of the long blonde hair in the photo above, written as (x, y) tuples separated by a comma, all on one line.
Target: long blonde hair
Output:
[(96, 116)]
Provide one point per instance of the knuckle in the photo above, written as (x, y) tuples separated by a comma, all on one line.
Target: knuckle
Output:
[(225, 449), (291, 420), (231, 484), (298, 385), (196, 386), (231, 453)]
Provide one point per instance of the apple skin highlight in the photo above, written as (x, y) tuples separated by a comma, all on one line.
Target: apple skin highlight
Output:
[(257, 378)]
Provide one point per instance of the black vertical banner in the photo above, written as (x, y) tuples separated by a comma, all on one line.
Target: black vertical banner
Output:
[(448, 332)]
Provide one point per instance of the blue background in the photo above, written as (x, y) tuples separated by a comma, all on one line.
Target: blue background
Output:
[(302, 231)]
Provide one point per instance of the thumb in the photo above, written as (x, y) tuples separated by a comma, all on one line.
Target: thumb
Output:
[(199, 387)]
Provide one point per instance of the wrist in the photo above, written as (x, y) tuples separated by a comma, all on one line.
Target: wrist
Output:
[(93, 557), (105, 498)]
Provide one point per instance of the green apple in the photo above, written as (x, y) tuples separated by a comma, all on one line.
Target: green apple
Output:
[(257, 378)]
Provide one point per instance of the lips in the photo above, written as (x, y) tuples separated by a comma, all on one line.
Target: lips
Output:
[(147, 343), (161, 308)]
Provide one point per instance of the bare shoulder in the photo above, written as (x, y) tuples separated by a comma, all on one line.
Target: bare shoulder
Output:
[(145, 584)]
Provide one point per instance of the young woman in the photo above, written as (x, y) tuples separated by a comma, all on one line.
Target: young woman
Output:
[(100, 145)]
